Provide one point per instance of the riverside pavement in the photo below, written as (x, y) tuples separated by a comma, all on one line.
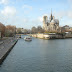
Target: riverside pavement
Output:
[(5, 45)]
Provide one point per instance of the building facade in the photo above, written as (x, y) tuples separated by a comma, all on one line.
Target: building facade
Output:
[(67, 28), (50, 24)]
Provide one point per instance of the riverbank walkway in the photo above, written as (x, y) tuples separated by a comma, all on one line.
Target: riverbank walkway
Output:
[(5, 46)]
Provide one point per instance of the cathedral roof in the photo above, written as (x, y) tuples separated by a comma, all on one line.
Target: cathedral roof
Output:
[(54, 21), (57, 21)]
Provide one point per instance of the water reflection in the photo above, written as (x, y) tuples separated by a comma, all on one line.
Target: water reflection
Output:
[(39, 56)]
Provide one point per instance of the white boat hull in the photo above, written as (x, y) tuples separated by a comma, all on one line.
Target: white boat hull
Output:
[(28, 39)]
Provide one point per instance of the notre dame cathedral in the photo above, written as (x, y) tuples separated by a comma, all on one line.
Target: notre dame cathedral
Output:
[(50, 24)]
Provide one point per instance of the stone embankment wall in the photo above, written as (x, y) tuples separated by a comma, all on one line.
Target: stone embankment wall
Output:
[(52, 36), (6, 46), (68, 35), (47, 36)]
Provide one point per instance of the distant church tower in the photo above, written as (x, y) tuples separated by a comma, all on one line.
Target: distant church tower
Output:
[(50, 25)]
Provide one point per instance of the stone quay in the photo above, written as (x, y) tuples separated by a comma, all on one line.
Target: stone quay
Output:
[(52, 35), (5, 47)]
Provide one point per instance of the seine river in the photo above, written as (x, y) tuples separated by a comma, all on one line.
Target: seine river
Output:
[(39, 56)]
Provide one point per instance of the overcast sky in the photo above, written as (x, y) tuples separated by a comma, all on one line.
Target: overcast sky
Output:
[(28, 13)]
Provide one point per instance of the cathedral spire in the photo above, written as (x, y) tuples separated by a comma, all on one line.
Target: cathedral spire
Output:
[(51, 10), (51, 14)]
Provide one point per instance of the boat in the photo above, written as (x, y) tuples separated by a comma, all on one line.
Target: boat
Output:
[(28, 38)]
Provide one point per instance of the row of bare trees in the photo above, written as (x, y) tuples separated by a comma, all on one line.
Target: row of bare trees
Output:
[(33, 30), (38, 29), (10, 30), (7, 30)]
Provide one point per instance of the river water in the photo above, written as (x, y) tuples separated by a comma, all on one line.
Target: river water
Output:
[(39, 56)]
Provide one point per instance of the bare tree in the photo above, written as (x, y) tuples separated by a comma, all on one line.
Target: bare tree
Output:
[(40, 30), (18, 30), (34, 30), (2, 29), (10, 30)]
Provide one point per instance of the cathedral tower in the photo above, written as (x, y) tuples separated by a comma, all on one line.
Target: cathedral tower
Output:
[(45, 18)]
